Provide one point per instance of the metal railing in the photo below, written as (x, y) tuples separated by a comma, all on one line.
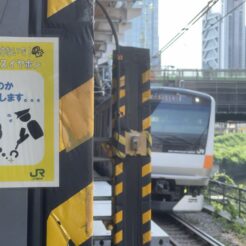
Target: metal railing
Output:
[(178, 75), (228, 87), (198, 74), (230, 197)]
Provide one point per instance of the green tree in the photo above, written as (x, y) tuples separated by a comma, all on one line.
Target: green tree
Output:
[(230, 148)]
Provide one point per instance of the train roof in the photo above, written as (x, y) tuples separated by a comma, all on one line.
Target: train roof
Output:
[(182, 90)]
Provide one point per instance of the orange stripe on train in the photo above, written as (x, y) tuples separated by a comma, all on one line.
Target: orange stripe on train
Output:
[(208, 162)]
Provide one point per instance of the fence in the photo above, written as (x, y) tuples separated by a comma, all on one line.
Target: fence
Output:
[(198, 74), (228, 87), (227, 195)]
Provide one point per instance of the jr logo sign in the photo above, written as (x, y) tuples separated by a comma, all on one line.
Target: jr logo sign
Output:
[(38, 174)]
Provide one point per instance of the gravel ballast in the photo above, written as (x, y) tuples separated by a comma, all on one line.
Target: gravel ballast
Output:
[(214, 227)]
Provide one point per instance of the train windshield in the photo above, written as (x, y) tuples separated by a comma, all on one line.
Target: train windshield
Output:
[(180, 126)]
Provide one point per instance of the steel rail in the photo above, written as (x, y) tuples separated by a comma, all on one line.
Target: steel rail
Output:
[(201, 234), (192, 235)]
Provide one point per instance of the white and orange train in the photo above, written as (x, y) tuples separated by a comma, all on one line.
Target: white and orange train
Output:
[(182, 129)]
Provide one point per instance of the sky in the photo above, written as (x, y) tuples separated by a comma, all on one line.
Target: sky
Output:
[(173, 16)]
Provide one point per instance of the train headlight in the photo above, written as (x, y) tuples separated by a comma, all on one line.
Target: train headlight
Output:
[(197, 99)]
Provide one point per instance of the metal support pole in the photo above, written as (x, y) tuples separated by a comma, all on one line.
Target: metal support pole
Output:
[(223, 188), (14, 209), (132, 170), (239, 203)]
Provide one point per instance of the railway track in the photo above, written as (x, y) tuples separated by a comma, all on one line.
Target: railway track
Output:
[(182, 232)]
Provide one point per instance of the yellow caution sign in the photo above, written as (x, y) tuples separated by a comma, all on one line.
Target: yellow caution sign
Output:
[(29, 112)]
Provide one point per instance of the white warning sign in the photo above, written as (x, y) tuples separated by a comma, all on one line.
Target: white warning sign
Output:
[(22, 117), (29, 112)]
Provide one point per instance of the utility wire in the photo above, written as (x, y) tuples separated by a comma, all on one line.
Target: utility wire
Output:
[(209, 5), (118, 65), (228, 13), (201, 13), (110, 23)]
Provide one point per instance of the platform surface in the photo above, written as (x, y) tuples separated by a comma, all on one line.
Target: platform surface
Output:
[(104, 208)]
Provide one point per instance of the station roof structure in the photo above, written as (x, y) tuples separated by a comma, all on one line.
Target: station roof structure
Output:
[(121, 13)]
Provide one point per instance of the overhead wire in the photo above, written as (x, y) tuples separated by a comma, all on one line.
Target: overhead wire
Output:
[(118, 64), (198, 16)]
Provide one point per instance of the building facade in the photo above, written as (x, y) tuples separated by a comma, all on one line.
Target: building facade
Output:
[(233, 35), (211, 36), (224, 37), (144, 30)]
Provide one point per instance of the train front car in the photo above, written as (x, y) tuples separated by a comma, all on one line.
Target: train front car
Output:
[(182, 153)]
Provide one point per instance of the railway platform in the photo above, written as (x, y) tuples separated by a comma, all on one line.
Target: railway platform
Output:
[(102, 234)]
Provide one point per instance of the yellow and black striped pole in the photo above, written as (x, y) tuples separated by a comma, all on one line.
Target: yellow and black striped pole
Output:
[(118, 100), (132, 180), (67, 209), (146, 161)]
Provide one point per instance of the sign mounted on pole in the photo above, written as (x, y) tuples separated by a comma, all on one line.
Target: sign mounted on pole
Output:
[(29, 112)]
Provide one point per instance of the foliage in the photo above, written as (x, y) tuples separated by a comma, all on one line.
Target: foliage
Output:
[(232, 209), (227, 196), (230, 148), (224, 178), (217, 207), (229, 205), (242, 186), (238, 228)]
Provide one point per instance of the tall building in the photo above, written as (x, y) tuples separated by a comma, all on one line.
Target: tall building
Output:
[(144, 30), (211, 35), (233, 35)]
